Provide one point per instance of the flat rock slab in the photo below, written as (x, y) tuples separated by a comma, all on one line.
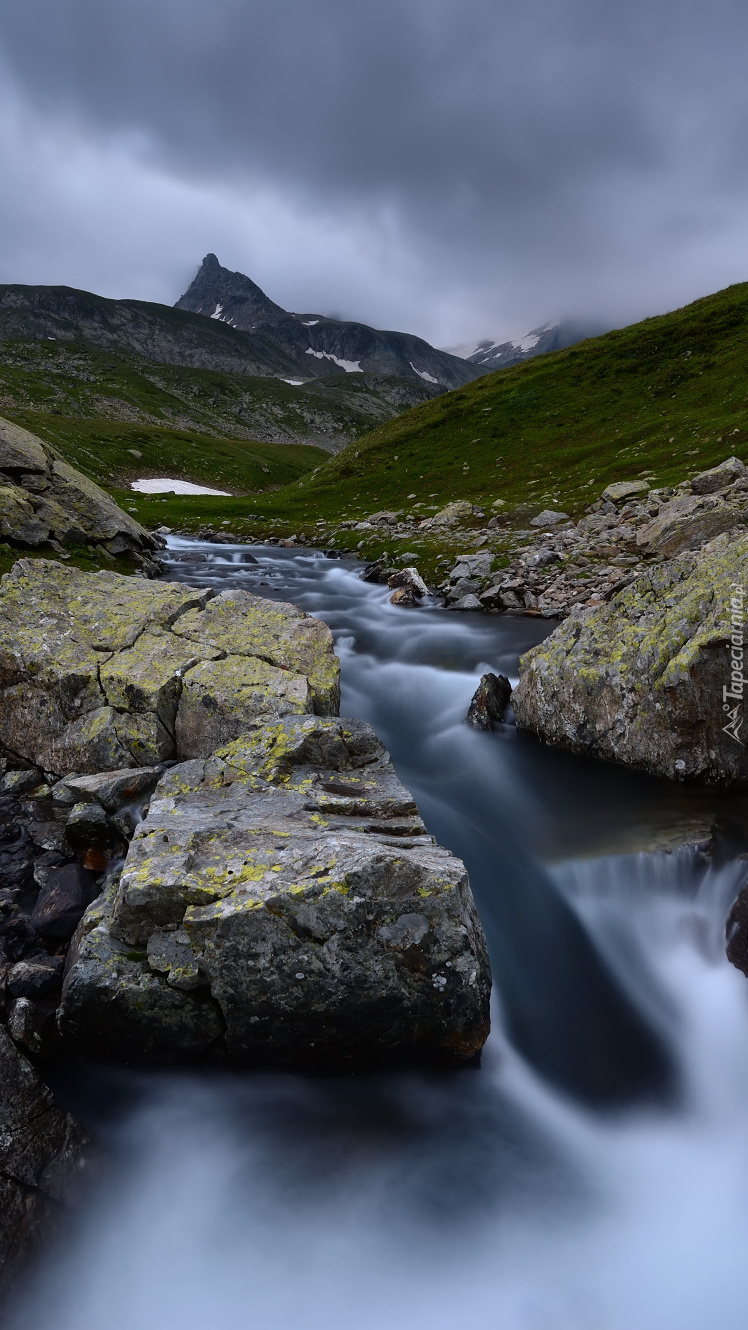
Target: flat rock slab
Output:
[(283, 904), (642, 679), (100, 672)]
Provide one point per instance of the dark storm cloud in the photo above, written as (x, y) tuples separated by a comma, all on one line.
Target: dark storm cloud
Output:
[(563, 148)]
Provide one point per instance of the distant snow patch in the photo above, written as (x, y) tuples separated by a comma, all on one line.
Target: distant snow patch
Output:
[(350, 366), (217, 312), (309, 323), (163, 485), (295, 383), (422, 373)]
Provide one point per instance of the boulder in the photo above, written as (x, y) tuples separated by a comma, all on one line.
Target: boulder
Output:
[(719, 477), (489, 702), (43, 499), (652, 679), (467, 602), (42, 1154), (407, 586), (549, 518), (283, 903), (688, 522), (113, 789), (100, 672), (624, 489), (451, 515)]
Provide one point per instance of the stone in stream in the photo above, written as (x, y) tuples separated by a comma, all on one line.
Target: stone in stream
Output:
[(43, 1153), (654, 678), (101, 672), (407, 586), (282, 904), (62, 901), (490, 701)]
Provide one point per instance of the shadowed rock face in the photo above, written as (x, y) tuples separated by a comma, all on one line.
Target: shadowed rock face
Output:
[(641, 680), (100, 672), (283, 903), (42, 1153), (43, 499)]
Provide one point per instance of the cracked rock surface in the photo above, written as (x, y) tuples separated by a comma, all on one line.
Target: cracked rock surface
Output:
[(282, 904), (100, 671)]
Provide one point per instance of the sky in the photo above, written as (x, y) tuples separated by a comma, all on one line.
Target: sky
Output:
[(454, 168)]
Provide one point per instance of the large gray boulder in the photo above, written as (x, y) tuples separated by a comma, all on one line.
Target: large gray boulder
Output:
[(43, 1152), (654, 679), (283, 904), (100, 672), (43, 499)]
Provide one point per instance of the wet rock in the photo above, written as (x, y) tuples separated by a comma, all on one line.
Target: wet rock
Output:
[(643, 680), (719, 477), (251, 908), (408, 586), (737, 932), (61, 904), (490, 701), (468, 602), (43, 1152), (102, 672)]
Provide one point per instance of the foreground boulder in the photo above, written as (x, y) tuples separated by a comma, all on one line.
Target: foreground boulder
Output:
[(283, 905), (44, 500), (654, 679), (42, 1154), (100, 671)]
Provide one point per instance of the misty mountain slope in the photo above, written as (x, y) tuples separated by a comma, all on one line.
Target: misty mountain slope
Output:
[(319, 345), (659, 399), (490, 354)]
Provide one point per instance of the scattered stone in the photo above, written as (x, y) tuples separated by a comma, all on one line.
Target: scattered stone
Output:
[(266, 906), (451, 515), (490, 701), (624, 489), (548, 518), (469, 602), (408, 586)]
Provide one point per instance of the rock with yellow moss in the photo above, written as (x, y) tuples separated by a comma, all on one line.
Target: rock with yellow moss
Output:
[(654, 679), (100, 671), (282, 904)]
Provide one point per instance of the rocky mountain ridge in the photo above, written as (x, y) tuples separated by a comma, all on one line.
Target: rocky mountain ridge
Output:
[(318, 344), (492, 354)]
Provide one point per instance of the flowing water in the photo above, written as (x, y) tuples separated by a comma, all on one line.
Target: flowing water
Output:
[(592, 1175)]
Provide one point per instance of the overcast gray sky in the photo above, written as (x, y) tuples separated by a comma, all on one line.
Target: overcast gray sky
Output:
[(455, 168)]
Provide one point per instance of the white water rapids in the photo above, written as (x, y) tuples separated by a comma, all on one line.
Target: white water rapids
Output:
[(592, 1175)]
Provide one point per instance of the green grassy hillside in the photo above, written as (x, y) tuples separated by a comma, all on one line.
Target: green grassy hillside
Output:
[(661, 399)]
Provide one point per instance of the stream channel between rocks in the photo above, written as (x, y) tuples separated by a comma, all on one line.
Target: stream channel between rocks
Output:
[(592, 1175)]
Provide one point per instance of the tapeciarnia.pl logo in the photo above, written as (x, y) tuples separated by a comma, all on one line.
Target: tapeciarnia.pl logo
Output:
[(732, 696)]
